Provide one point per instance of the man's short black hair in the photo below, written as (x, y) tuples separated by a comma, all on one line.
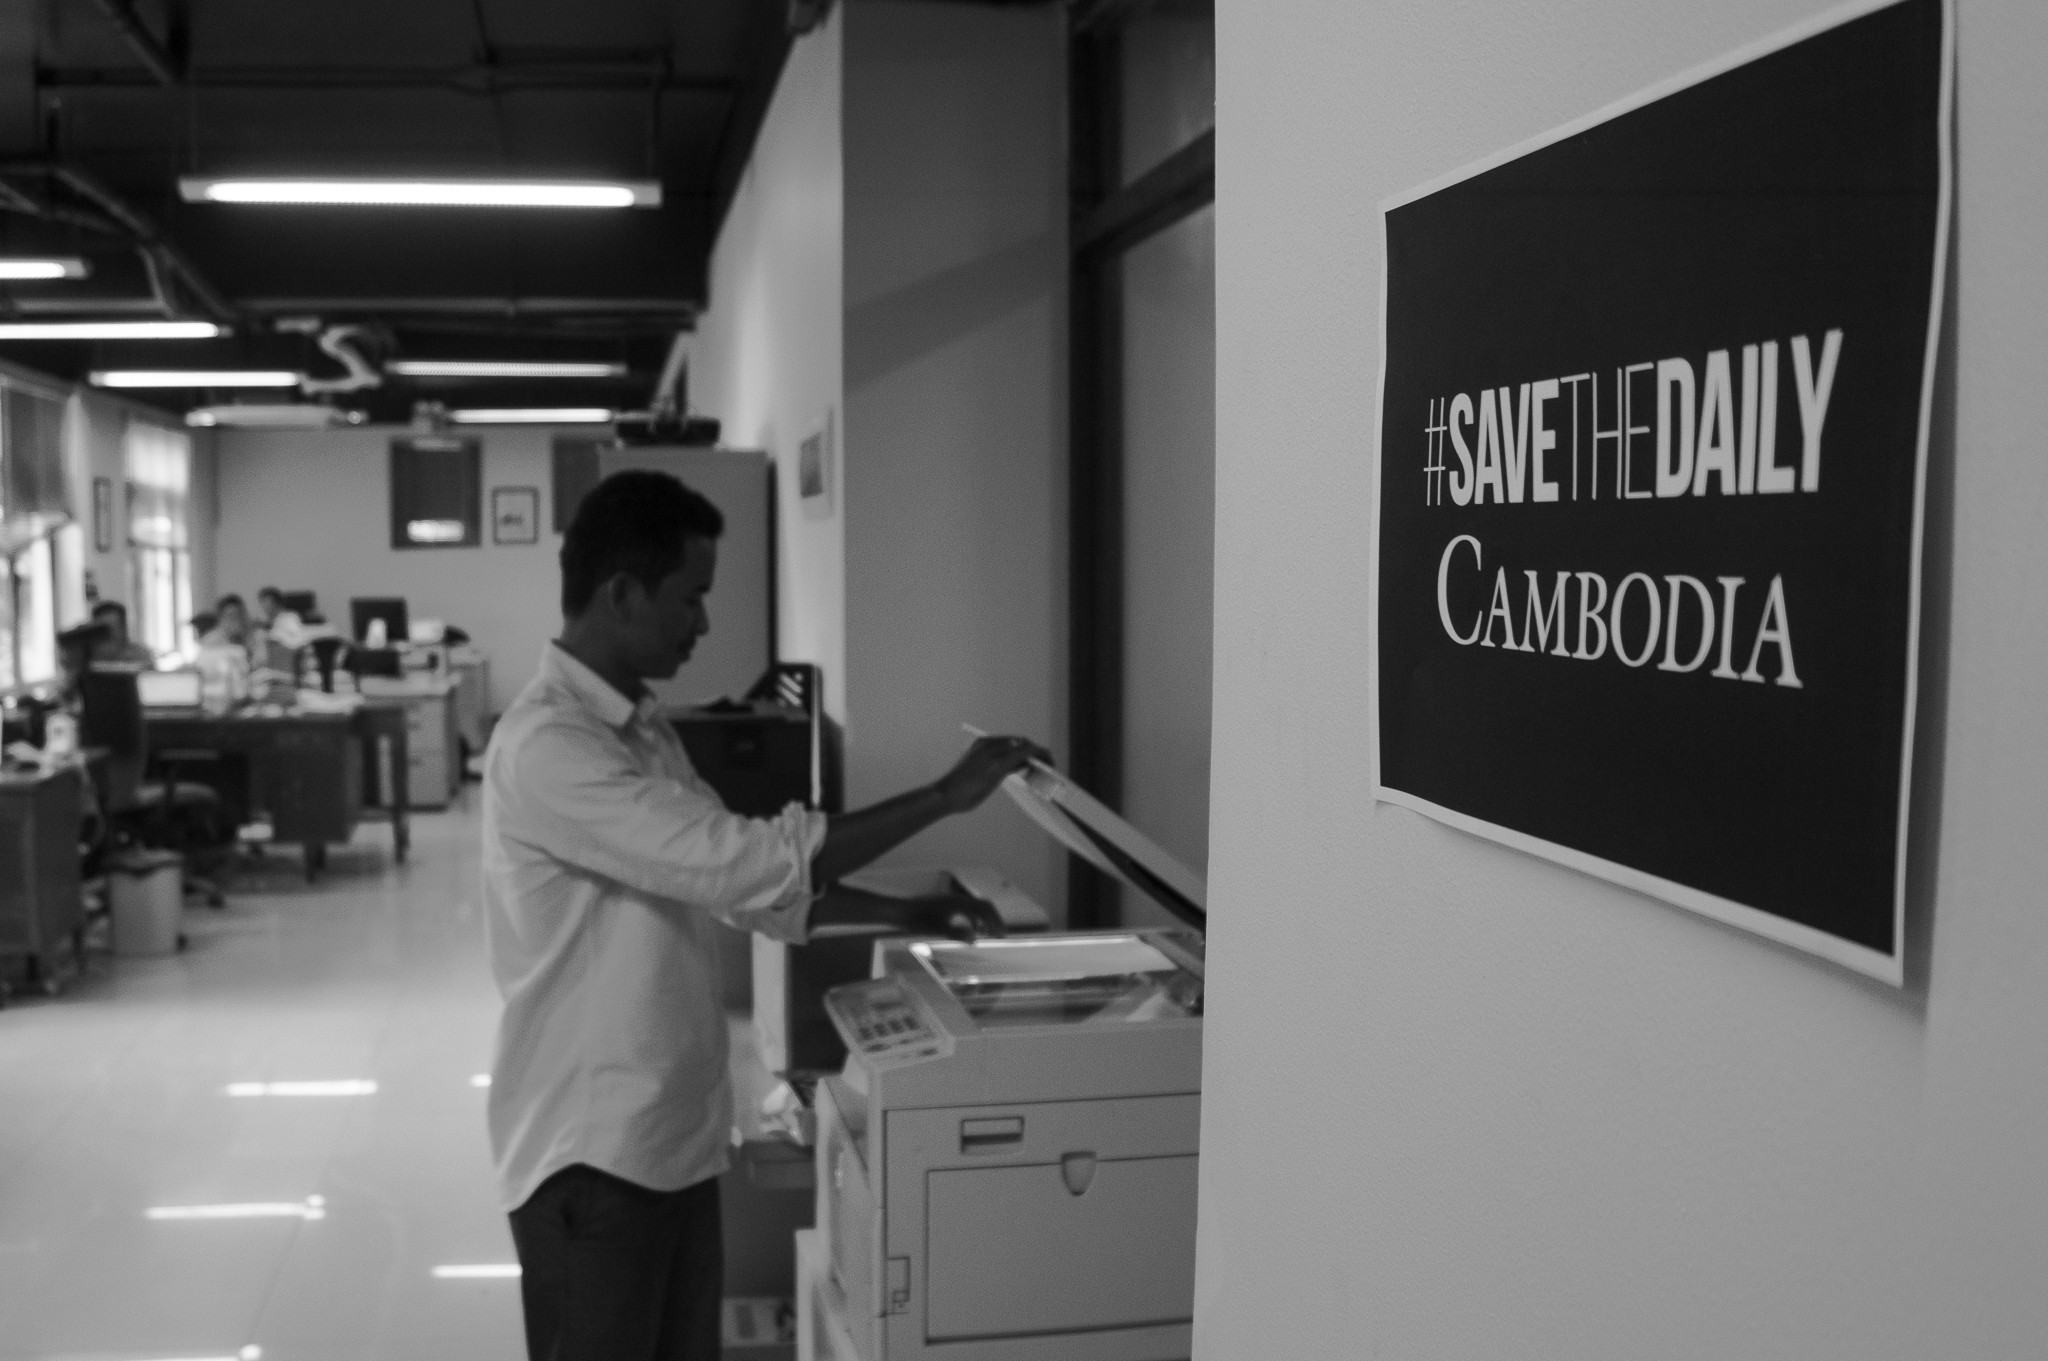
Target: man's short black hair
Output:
[(106, 607), (271, 593), (220, 606), (635, 522)]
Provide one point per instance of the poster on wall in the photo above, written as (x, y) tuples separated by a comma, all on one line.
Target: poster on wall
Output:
[(1649, 481)]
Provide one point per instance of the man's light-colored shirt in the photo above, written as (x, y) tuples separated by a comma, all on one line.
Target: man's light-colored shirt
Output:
[(609, 868)]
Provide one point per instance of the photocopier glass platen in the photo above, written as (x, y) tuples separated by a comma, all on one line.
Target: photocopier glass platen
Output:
[(1065, 980)]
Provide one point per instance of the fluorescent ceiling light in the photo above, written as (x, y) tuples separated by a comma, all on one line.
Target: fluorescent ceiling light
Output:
[(108, 330), (532, 415), (421, 193), (55, 267), (273, 416), (482, 1271), (312, 1207), (196, 378), (501, 368), (343, 1087), (480, 1080)]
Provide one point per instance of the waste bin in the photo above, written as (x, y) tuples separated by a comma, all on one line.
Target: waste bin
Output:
[(146, 890)]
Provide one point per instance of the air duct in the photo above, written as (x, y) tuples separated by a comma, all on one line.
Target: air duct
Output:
[(335, 341), (667, 419)]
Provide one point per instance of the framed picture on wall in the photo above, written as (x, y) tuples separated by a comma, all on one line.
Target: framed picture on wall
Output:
[(814, 469), (515, 515), (103, 514)]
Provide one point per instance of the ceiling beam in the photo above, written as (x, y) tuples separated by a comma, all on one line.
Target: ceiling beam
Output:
[(665, 311), (484, 80), (152, 53)]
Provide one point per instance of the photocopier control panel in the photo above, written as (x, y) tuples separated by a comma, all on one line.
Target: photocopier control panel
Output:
[(885, 1024)]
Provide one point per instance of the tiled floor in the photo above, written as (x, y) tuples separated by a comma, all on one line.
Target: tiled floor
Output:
[(114, 1101)]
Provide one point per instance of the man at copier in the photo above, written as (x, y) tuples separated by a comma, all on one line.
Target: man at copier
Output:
[(609, 867)]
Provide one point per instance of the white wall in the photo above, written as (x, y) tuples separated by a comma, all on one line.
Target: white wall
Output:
[(765, 359), (1461, 1103), (311, 510), (955, 413)]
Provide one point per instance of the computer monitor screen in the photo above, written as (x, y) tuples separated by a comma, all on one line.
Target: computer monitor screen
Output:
[(168, 689), (391, 610)]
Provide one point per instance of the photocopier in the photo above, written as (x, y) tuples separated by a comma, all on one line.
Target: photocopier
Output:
[(1007, 1161)]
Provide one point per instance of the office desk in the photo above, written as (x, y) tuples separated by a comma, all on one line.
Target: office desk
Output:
[(305, 769), (41, 896), (435, 761)]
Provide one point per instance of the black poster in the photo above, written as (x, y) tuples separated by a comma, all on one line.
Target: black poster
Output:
[(1652, 450)]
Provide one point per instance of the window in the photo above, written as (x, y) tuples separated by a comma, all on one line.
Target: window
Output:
[(34, 505), (159, 470), (436, 493), (35, 603), (8, 672), (67, 550)]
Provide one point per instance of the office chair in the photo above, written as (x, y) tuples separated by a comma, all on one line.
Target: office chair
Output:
[(325, 653), (171, 814)]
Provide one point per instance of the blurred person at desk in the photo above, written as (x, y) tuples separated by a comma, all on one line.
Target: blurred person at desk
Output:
[(229, 628), (117, 648), (609, 867), (278, 624), (223, 660)]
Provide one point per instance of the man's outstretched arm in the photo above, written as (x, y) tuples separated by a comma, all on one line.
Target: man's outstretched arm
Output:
[(853, 840)]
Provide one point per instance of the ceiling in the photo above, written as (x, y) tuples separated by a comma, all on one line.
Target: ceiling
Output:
[(104, 104)]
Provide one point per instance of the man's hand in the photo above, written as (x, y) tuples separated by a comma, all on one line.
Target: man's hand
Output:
[(987, 764), (856, 839)]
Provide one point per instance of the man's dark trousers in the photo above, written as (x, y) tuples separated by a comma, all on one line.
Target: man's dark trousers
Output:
[(611, 1271)]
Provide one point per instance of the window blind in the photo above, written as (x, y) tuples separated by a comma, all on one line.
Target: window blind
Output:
[(159, 469), (35, 493)]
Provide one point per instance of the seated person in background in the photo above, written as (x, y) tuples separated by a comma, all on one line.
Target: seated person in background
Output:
[(117, 647), (282, 625), (224, 651), (230, 626)]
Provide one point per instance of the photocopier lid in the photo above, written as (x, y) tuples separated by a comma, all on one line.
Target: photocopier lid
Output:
[(1090, 830), (1094, 979)]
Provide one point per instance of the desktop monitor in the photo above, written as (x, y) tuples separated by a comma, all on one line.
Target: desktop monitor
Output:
[(391, 609)]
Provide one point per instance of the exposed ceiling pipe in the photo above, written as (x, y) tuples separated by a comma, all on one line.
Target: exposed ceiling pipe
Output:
[(667, 419), (335, 341), (144, 44), (671, 394), (159, 287), (139, 231)]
